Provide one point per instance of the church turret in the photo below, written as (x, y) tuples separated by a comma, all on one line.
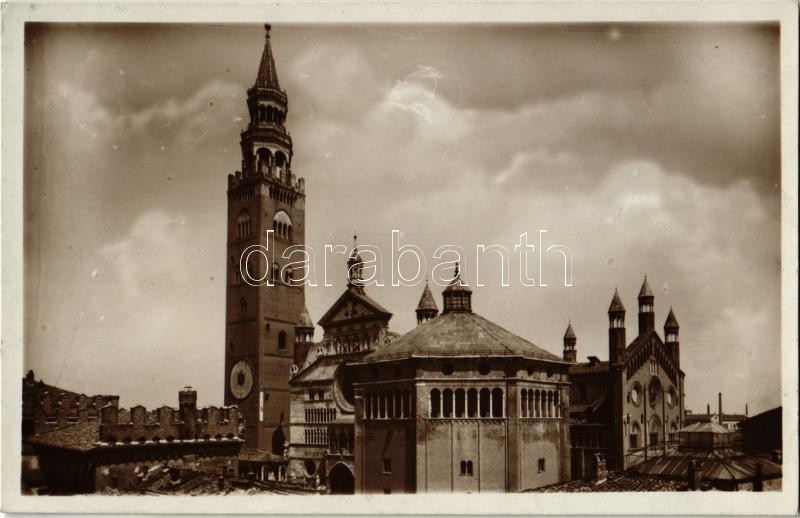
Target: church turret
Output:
[(570, 340), (303, 337), (457, 296), (671, 329), (616, 330), (426, 309), (647, 316)]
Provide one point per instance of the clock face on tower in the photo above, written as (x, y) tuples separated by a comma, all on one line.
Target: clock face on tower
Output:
[(241, 380)]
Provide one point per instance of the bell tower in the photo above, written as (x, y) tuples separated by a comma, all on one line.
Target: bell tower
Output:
[(264, 300)]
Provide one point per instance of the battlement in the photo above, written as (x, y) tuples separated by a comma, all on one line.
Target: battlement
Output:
[(46, 407), (187, 423)]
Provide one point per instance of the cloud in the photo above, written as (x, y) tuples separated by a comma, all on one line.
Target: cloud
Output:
[(639, 156)]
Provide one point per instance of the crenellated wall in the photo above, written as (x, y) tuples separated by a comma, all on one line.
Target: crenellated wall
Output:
[(169, 424), (45, 407)]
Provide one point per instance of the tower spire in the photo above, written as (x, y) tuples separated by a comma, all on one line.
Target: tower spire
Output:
[(267, 73), (355, 280)]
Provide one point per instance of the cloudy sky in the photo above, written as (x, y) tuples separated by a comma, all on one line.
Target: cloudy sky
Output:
[(646, 149)]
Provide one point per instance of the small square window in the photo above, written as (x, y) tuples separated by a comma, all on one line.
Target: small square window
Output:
[(387, 465), (541, 465)]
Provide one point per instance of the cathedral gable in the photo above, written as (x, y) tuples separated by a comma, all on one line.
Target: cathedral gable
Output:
[(648, 348), (351, 306)]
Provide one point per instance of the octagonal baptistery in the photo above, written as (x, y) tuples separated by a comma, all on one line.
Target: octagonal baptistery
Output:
[(460, 404)]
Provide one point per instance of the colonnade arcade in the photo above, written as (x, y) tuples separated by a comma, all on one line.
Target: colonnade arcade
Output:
[(539, 403)]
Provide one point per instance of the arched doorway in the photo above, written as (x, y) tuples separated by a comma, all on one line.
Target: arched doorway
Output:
[(278, 440), (341, 480)]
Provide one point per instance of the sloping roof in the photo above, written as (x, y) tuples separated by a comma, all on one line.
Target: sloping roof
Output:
[(267, 73), (714, 465), (588, 368), (616, 303), (323, 369), (586, 410), (426, 301), (671, 322), (615, 482), (569, 333), (354, 295), (305, 319), (697, 418), (80, 436), (704, 427), (645, 291), (460, 334)]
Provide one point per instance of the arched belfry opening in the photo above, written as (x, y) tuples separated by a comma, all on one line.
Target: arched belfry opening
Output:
[(341, 480)]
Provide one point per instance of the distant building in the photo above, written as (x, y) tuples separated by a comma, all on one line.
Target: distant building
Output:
[(730, 422), (763, 433), (117, 448), (630, 406), (708, 456)]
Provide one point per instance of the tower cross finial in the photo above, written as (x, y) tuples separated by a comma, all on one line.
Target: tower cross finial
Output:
[(455, 271)]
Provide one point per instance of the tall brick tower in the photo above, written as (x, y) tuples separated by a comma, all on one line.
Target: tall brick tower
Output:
[(266, 208)]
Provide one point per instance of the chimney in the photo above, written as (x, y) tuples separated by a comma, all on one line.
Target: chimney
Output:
[(720, 408), (746, 412), (693, 476), (708, 408)]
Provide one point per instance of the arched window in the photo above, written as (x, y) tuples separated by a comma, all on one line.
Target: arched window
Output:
[(398, 405), (447, 403), (389, 405), (281, 223), (263, 160), (282, 340), (383, 405), (288, 275), (406, 404), (497, 402), (523, 403), (469, 467), (460, 402), (281, 166), (472, 403), (367, 406), (435, 403), (633, 437), (537, 404), (463, 467), (243, 224), (275, 272), (530, 403), (556, 405), (654, 392), (484, 403)]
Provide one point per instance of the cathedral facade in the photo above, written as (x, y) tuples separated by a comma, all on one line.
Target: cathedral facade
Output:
[(630, 407)]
